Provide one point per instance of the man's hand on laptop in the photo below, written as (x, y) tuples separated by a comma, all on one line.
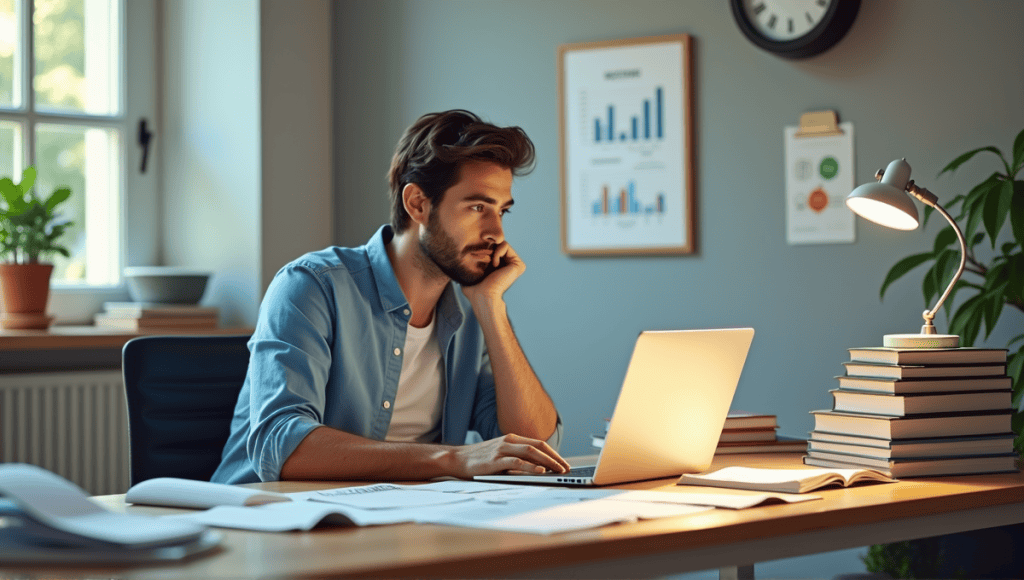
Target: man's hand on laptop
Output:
[(509, 453)]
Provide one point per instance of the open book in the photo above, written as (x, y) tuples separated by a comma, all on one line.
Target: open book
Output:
[(783, 480)]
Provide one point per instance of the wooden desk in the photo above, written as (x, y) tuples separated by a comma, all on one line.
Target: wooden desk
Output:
[(844, 518)]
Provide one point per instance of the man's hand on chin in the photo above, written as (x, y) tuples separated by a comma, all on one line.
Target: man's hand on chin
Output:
[(507, 267)]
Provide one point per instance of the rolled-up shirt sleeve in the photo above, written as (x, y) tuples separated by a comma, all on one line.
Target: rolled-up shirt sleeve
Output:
[(289, 366)]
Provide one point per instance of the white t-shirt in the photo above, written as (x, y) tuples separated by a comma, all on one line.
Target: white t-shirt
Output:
[(417, 407)]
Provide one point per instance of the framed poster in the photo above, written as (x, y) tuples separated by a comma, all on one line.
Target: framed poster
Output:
[(627, 146)]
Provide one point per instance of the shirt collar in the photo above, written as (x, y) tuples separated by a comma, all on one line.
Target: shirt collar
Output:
[(388, 289)]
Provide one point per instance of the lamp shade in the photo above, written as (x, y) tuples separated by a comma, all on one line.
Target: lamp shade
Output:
[(886, 202)]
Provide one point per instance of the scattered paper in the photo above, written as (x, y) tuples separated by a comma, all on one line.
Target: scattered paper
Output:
[(730, 501), (291, 516), (380, 496)]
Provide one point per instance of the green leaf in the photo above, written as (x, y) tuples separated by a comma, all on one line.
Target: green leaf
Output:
[(1015, 277), (13, 195), (1017, 212), (1014, 340), (941, 274), (997, 205), (928, 210), (963, 158), (945, 237), (901, 268), (58, 196), (966, 322), (1018, 152), (977, 239), (975, 215), (928, 285), (28, 179), (993, 307)]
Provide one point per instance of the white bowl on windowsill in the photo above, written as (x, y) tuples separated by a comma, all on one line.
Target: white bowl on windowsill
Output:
[(166, 284)]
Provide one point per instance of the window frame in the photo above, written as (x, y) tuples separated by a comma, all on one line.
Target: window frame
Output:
[(29, 118)]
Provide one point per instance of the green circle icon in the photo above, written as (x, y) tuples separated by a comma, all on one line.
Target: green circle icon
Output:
[(828, 168)]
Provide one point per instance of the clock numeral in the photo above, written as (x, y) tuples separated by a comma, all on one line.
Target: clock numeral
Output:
[(822, 3), (758, 9), (791, 26), (772, 21), (810, 20)]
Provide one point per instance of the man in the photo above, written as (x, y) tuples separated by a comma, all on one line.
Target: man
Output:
[(368, 363)]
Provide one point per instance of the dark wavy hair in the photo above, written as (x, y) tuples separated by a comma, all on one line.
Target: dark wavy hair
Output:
[(435, 147)]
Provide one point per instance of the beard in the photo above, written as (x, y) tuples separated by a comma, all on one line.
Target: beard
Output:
[(442, 251)]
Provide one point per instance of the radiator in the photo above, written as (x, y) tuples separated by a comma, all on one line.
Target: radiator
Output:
[(71, 423)]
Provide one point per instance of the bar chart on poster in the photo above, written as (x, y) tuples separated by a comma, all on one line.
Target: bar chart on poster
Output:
[(624, 137)]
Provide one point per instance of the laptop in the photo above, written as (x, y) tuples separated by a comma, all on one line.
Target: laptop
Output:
[(670, 412)]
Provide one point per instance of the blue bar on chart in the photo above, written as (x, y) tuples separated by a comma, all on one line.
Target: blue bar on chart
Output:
[(655, 117), (626, 202)]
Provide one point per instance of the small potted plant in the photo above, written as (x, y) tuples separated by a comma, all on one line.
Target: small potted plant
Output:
[(29, 233)]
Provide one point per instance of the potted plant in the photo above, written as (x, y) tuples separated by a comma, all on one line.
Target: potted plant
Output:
[(993, 284), (29, 232)]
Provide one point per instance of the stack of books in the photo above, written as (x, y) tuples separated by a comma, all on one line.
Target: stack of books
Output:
[(743, 433), (149, 316), (753, 433), (918, 412)]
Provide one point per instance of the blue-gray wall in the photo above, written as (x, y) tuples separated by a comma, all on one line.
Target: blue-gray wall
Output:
[(920, 79)]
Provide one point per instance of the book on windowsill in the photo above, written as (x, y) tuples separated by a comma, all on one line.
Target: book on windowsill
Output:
[(165, 323), (917, 467), (912, 386), (887, 371), (783, 480), (913, 427), (928, 356), (157, 310), (904, 405), (907, 448)]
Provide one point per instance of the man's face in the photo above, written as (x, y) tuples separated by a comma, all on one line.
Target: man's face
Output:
[(464, 228)]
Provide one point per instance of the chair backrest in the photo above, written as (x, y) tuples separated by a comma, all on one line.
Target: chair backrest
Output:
[(181, 393)]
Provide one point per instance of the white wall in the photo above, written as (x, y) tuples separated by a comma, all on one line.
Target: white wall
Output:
[(246, 141)]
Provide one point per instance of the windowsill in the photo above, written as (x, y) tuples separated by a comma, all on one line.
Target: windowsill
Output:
[(87, 337)]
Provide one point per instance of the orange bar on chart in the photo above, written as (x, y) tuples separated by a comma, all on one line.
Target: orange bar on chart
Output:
[(623, 203), (604, 200)]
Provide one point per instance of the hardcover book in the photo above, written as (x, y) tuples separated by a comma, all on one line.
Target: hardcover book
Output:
[(902, 405), (928, 356), (917, 467), (865, 369), (917, 426), (910, 386)]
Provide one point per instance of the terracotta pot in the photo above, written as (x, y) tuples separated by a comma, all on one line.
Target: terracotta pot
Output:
[(24, 293)]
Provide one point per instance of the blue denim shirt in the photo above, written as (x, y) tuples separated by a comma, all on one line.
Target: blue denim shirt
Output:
[(327, 350)]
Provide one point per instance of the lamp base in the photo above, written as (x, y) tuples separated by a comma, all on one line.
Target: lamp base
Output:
[(921, 341)]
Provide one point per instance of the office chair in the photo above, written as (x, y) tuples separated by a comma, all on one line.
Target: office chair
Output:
[(181, 393)]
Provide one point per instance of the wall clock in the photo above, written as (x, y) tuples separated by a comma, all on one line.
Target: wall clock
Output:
[(794, 28)]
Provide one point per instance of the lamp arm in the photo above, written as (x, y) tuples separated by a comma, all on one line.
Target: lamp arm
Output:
[(928, 198)]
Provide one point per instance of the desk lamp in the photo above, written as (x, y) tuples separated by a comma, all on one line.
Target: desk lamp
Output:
[(885, 203)]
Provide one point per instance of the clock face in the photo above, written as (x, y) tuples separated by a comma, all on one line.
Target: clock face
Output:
[(795, 28), (784, 20)]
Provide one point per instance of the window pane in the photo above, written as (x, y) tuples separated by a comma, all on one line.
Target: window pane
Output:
[(77, 56), (10, 150), (10, 57), (86, 160)]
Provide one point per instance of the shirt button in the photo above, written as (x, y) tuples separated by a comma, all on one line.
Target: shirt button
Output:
[(406, 312), (387, 404), (398, 351)]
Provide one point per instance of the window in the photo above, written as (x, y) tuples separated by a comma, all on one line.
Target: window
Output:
[(62, 109)]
